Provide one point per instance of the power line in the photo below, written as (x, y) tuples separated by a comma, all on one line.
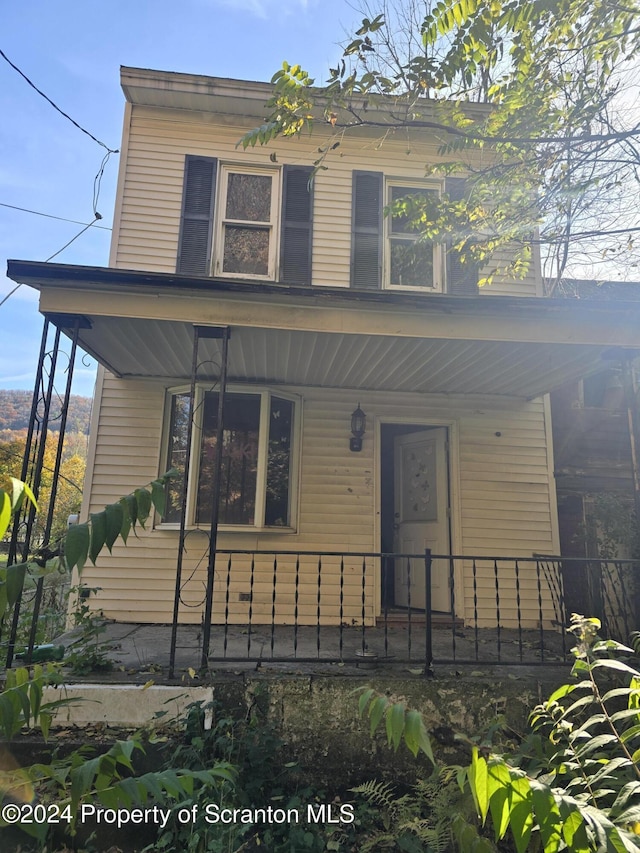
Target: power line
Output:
[(55, 254), (11, 292), (54, 105), (51, 216), (96, 181), (79, 234), (98, 178)]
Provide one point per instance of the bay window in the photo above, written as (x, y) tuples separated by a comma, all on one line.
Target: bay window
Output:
[(255, 488)]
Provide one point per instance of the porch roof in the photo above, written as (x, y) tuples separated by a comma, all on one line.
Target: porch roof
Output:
[(140, 324)]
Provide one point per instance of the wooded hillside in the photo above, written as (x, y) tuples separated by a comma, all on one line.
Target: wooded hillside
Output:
[(15, 408)]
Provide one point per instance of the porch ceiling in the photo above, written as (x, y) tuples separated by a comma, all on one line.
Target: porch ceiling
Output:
[(140, 324), (132, 347)]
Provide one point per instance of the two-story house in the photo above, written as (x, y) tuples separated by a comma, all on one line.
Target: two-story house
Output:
[(373, 399)]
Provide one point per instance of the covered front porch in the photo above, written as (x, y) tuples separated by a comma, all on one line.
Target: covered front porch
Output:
[(340, 563)]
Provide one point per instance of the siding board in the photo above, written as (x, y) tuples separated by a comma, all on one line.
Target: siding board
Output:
[(503, 508), (158, 141)]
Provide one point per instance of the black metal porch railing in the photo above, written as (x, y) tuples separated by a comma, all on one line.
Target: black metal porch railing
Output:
[(370, 607)]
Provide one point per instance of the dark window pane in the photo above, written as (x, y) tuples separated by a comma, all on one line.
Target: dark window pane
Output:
[(177, 454), (249, 197), (246, 250), (239, 459), (411, 263), (279, 463)]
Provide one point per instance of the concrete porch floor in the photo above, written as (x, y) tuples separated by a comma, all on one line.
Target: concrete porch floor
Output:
[(136, 648)]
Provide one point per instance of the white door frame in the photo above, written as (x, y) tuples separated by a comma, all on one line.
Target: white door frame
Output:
[(454, 497)]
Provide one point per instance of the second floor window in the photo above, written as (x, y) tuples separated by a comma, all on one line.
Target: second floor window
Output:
[(246, 235), (410, 262), (388, 252), (246, 221)]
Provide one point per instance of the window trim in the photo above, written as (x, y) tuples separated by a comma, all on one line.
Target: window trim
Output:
[(265, 395), (225, 169), (438, 253), (604, 375)]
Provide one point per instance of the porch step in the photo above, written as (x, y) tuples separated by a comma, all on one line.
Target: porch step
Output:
[(400, 618)]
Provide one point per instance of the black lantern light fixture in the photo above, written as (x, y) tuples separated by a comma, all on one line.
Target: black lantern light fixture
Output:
[(358, 425)]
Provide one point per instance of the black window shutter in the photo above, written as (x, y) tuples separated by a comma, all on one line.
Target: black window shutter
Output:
[(366, 231), (196, 223), (296, 225), (462, 279)]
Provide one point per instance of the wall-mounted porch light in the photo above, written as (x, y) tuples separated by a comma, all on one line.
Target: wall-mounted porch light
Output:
[(358, 424)]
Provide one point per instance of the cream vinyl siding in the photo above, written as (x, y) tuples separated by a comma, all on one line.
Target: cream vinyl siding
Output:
[(149, 222), (500, 485)]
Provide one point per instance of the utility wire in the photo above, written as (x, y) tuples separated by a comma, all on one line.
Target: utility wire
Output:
[(11, 292), (96, 181), (55, 254), (79, 234), (51, 216), (55, 106)]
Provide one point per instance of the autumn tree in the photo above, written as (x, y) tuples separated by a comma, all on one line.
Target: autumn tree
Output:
[(70, 479), (534, 101)]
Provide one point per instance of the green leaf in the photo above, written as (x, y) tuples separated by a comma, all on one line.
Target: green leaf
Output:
[(395, 724), (521, 819), (631, 789), (143, 500), (561, 692), (15, 582), (98, 534), (365, 696), (414, 731), (617, 665), (479, 781), (19, 492), (5, 513), (132, 508), (629, 734), (45, 719), (499, 787), (631, 815), (114, 517), (376, 712), (125, 505), (548, 817), (158, 496), (627, 713), (76, 546)]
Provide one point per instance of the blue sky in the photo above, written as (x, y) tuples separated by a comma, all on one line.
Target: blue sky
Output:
[(72, 50)]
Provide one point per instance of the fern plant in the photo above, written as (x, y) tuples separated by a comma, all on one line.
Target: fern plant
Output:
[(422, 819)]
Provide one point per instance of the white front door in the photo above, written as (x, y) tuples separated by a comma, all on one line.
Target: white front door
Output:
[(421, 503)]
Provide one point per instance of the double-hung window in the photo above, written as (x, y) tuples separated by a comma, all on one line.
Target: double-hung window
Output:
[(247, 227), (411, 262), (388, 252), (256, 486), (246, 221)]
